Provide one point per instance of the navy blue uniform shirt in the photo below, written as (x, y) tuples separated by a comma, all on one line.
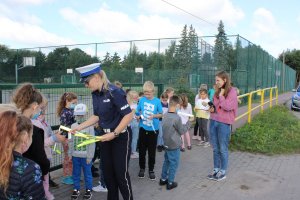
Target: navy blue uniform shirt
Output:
[(110, 106)]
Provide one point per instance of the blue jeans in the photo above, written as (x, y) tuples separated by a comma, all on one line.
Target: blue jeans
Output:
[(135, 134), (170, 165), (79, 163), (160, 140), (219, 138)]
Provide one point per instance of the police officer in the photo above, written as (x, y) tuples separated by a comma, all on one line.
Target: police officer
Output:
[(113, 114)]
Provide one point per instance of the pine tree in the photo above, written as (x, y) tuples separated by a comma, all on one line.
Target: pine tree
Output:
[(221, 48)]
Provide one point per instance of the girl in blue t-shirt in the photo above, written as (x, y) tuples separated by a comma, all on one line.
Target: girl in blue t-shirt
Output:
[(149, 110)]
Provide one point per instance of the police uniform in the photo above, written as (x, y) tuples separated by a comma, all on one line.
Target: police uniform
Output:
[(111, 106)]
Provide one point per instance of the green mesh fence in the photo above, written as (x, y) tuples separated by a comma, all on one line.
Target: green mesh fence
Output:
[(53, 93)]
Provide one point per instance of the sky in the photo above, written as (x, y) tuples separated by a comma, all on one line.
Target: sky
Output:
[(274, 25)]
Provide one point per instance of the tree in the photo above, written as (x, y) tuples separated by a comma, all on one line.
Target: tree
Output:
[(292, 58), (221, 48)]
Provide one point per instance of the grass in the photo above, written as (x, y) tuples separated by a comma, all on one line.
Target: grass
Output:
[(276, 131)]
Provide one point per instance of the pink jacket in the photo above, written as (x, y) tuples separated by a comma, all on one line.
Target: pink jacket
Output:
[(226, 108)]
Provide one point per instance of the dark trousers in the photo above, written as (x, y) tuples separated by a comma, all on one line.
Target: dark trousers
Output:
[(202, 123), (116, 155), (196, 128), (147, 142)]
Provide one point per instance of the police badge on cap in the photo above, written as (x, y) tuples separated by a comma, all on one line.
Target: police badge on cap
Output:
[(88, 70)]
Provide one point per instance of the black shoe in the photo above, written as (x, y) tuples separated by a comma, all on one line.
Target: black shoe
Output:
[(163, 182), (189, 147), (160, 148), (182, 149), (172, 185), (142, 173), (75, 194), (87, 194), (152, 175), (94, 169), (52, 184), (95, 174)]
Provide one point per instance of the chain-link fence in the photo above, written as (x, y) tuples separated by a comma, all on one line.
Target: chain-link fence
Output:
[(176, 62)]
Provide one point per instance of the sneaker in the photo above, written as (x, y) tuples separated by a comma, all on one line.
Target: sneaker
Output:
[(220, 177), (134, 155), (99, 188), (201, 143), (182, 149), (87, 194), (152, 175), (75, 194), (159, 148), (212, 176), (206, 144), (172, 185), (199, 138), (189, 147), (52, 184), (142, 173), (67, 180), (163, 182), (195, 137)]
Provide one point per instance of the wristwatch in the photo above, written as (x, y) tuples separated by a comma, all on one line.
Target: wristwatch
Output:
[(116, 134)]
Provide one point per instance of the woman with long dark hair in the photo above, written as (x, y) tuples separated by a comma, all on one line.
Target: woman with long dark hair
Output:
[(223, 113)]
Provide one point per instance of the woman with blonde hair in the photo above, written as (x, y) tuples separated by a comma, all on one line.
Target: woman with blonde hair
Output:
[(20, 178), (113, 114)]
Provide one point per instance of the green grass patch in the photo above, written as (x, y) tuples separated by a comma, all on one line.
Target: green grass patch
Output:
[(276, 131)]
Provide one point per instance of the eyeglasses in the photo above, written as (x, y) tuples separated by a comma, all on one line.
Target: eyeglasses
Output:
[(87, 80)]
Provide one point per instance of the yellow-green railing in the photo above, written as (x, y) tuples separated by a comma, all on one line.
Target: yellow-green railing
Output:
[(261, 93)]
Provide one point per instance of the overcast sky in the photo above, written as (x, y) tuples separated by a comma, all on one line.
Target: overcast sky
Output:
[(274, 25)]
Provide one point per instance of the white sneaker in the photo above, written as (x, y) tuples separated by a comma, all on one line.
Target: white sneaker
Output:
[(201, 143), (134, 155), (206, 144), (199, 138), (195, 137), (99, 188)]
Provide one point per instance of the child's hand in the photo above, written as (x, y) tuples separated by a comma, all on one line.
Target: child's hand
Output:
[(211, 109), (60, 138), (88, 161)]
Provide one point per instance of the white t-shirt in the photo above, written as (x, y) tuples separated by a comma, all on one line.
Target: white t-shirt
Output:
[(187, 110)]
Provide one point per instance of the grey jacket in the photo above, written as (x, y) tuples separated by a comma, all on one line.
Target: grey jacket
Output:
[(172, 129), (84, 151)]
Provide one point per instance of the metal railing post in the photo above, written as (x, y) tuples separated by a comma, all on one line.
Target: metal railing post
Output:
[(271, 97), (249, 107)]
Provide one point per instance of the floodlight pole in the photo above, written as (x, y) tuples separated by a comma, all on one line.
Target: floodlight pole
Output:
[(17, 68)]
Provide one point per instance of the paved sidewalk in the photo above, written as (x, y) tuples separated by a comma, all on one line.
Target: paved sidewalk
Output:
[(250, 177)]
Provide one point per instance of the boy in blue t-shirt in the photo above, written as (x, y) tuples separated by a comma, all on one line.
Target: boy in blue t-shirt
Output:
[(149, 110)]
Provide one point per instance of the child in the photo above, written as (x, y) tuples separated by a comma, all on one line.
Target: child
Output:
[(202, 116), (170, 92), (81, 156), (49, 139), (132, 98), (149, 111), (65, 111), (173, 129), (164, 103), (186, 108), (102, 185)]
